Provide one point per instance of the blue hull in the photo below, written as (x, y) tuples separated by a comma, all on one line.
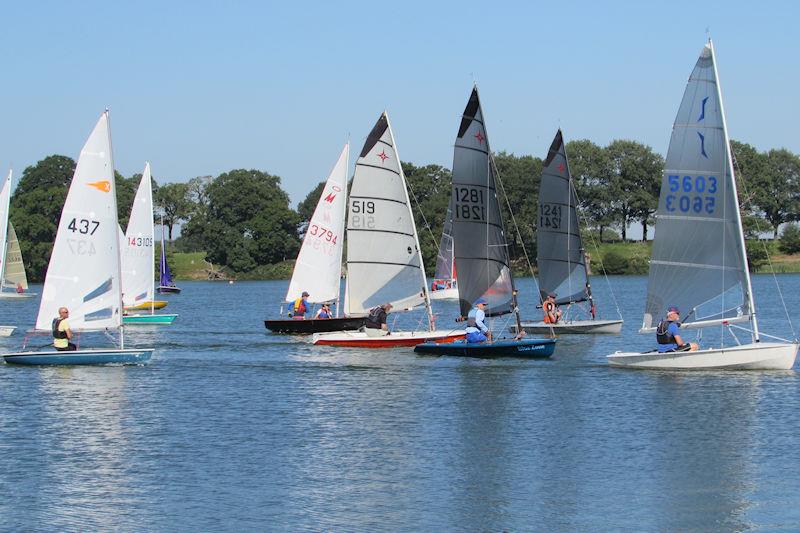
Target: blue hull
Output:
[(129, 356), (528, 348)]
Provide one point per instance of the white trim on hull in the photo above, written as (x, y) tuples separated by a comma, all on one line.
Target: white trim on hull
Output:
[(15, 295), (575, 327), (395, 338), (6, 331), (445, 294), (756, 356)]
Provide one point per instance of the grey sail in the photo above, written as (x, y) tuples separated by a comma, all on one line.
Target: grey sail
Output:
[(480, 248), (698, 261), (383, 260), (560, 254), (445, 265)]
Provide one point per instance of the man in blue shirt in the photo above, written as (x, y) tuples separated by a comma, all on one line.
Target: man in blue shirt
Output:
[(668, 334), (476, 328)]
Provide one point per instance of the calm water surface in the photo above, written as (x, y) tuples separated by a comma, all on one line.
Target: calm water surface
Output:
[(229, 428)]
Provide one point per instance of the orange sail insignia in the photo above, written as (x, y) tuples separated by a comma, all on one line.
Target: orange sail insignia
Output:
[(104, 185)]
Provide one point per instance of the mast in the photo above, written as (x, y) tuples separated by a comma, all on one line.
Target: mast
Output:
[(738, 218), (152, 239), (116, 215), (344, 213)]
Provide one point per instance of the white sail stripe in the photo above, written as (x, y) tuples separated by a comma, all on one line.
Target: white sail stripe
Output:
[(693, 219), (694, 265)]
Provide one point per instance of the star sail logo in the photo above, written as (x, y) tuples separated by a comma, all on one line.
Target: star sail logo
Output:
[(480, 137), (383, 156), (103, 186)]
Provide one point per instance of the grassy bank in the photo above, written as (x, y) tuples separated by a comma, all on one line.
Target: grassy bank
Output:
[(619, 258)]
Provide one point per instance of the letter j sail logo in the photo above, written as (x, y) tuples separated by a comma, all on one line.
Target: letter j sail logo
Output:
[(103, 186)]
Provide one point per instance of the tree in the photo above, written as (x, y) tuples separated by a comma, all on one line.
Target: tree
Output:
[(636, 182), (36, 208), (590, 167), (519, 177), (249, 222), (305, 209), (429, 192), (790, 240), (172, 200)]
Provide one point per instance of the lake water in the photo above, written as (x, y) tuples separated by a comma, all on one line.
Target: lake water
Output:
[(231, 428)]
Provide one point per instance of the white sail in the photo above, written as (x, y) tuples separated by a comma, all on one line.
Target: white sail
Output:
[(5, 204), (138, 265), (318, 268), (14, 273), (384, 264), (84, 270), (698, 262)]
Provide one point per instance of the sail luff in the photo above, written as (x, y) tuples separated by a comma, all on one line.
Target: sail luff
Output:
[(737, 212), (5, 205)]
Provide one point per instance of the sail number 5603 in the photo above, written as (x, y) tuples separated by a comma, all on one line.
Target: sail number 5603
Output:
[(695, 194), (83, 226)]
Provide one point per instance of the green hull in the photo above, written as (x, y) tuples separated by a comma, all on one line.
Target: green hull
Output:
[(148, 320)]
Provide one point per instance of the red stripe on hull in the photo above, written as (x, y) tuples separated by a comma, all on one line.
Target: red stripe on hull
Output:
[(388, 342)]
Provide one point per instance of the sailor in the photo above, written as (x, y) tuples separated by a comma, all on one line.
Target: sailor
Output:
[(324, 312), (61, 332), (476, 328), (668, 335), (552, 314), (300, 307), (376, 325)]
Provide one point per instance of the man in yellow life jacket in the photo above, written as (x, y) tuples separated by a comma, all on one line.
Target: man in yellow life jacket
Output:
[(552, 314), (62, 335), (300, 307)]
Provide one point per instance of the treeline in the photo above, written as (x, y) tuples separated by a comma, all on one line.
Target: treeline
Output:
[(243, 220)]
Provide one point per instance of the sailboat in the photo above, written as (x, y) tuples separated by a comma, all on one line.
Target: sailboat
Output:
[(479, 241), (138, 265), (318, 269), (384, 263), (699, 264), (84, 271), (12, 269), (445, 282), (166, 285), (560, 252)]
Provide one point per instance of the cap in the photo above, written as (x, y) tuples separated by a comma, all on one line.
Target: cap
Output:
[(673, 309), (480, 301), (304, 293), (552, 295)]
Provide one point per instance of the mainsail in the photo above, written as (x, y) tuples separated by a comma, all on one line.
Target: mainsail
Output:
[(318, 268), (560, 254), (383, 259), (84, 270), (479, 239), (698, 261), (445, 263), (5, 204), (166, 276), (14, 273), (138, 268)]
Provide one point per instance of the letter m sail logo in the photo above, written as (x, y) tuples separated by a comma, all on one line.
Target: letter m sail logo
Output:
[(330, 197)]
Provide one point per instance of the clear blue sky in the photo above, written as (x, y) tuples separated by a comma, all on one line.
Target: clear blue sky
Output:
[(204, 87)]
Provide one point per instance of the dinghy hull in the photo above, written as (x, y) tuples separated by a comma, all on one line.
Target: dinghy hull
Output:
[(359, 339), (756, 356), (6, 331), (444, 294), (148, 320), (318, 325), (16, 295), (146, 306), (162, 289), (128, 356), (527, 348), (573, 327)]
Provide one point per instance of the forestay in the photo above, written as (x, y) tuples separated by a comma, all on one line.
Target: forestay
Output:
[(479, 240), (383, 259), (698, 262), (138, 267), (318, 269), (560, 254), (84, 270)]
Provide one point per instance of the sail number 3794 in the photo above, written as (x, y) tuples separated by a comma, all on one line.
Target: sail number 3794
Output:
[(692, 194)]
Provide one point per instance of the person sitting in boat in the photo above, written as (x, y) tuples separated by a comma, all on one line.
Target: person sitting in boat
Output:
[(324, 312), (300, 307), (61, 332), (552, 314), (20, 289), (668, 334), (438, 285), (476, 328), (376, 325)]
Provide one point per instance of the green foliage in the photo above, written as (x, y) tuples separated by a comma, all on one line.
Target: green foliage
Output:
[(590, 167), (518, 186), (622, 259), (173, 201), (305, 209), (429, 192), (790, 240), (36, 208), (757, 255)]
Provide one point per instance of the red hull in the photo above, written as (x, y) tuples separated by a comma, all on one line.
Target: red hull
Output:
[(388, 341)]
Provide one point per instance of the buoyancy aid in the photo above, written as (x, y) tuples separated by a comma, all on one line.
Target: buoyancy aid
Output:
[(471, 321), (550, 316), (299, 307), (57, 334), (663, 336)]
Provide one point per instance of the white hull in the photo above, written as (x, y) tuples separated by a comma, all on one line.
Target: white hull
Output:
[(573, 327), (756, 356), (395, 338), (6, 331), (16, 295), (444, 294)]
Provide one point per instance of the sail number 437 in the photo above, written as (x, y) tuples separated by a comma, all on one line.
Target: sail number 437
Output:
[(83, 226), (692, 194)]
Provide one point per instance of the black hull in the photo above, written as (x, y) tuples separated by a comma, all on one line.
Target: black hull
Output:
[(319, 325), (168, 290), (527, 348)]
